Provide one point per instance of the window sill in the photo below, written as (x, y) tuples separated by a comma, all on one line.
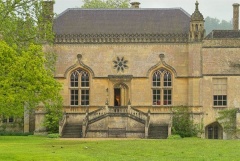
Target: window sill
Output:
[(219, 106), (161, 105), (78, 105)]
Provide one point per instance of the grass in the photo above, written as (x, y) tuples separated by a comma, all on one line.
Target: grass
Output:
[(35, 148)]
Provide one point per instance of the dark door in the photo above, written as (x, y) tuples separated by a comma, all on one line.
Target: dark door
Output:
[(117, 97)]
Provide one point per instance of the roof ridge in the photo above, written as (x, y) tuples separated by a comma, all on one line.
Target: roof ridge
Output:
[(62, 13), (124, 9)]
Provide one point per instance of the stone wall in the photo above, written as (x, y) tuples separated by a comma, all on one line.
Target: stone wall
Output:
[(211, 112), (221, 61), (140, 57)]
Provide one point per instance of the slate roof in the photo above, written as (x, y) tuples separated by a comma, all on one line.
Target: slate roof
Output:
[(121, 21), (221, 34)]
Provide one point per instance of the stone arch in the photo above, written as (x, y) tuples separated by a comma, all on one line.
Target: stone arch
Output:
[(214, 131), (75, 66), (161, 64)]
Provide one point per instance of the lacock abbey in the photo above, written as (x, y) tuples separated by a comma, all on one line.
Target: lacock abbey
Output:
[(123, 71)]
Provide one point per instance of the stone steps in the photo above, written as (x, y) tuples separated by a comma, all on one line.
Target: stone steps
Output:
[(72, 131)]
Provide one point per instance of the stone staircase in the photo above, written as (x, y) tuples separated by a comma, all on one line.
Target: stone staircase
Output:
[(157, 132), (71, 130), (117, 126)]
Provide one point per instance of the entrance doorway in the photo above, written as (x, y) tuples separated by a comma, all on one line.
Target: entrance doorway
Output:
[(214, 131), (117, 97), (121, 95)]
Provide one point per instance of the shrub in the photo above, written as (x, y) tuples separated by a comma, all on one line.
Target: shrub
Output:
[(182, 124), (52, 120), (3, 133), (54, 135), (228, 120), (174, 137)]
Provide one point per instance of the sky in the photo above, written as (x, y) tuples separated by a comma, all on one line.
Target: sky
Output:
[(221, 9)]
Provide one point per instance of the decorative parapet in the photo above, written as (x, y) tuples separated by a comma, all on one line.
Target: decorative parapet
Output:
[(121, 38)]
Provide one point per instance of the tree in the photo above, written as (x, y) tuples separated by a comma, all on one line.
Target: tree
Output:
[(105, 4), (216, 24), (21, 22), (26, 75), (25, 82)]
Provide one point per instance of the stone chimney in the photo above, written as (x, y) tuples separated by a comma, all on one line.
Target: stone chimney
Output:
[(47, 8), (135, 4), (235, 16), (46, 21)]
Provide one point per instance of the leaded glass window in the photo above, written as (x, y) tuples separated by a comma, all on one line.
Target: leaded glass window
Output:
[(162, 87), (79, 88)]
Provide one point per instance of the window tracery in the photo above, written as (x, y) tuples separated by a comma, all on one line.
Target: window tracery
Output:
[(79, 88), (162, 87)]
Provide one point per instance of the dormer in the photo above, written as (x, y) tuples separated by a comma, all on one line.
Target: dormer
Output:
[(197, 31)]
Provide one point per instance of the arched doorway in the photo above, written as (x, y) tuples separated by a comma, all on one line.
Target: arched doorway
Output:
[(120, 94), (214, 131)]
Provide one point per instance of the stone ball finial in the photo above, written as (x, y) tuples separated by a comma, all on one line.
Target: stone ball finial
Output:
[(161, 56), (79, 56)]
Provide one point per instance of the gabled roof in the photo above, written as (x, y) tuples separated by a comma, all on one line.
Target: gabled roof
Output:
[(223, 34), (122, 21)]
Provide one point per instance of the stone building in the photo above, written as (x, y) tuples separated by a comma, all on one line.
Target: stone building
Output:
[(123, 71)]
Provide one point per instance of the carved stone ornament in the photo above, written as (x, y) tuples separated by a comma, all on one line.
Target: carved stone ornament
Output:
[(121, 38), (120, 64)]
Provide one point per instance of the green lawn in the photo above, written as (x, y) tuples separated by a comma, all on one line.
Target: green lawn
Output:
[(33, 148)]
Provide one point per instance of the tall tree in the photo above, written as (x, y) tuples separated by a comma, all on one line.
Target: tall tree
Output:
[(105, 4), (25, 82), (20, 22), (26, 71), (216, 24)]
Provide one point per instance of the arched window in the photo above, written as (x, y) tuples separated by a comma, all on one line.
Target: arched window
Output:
[(214, 131), (79, 88), (196, 27), (162, 87)]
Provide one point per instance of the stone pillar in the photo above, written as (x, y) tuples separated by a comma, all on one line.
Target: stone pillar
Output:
[(26, 121), (106, 108), (238, 121), (47, 7), (235, 16), (39, 120), (147, 123), (169, 130)]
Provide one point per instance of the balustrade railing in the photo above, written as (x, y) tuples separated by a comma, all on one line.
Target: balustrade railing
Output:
[(94, 114), (118, 109), (137, 113), (62, 123), (114, 110)]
